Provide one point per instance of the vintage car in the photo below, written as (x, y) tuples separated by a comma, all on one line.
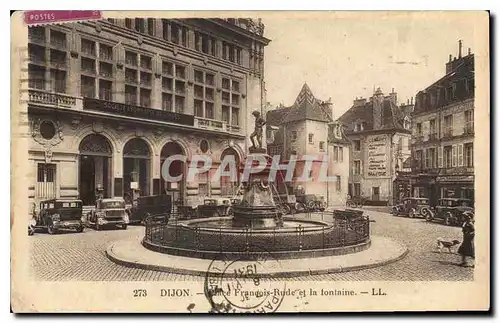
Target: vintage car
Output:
[(450, 211), (57, 214), (355, 201), (108, 212), (214, 207), (310, 203), (412, 207), (152, 205)]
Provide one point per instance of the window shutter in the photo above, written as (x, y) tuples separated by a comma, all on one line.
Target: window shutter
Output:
[(460, 155), (424, 159), (440, 157), (454, 156)]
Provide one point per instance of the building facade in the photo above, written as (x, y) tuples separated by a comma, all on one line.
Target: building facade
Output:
[(443, 132), (379, 132), (110, 100), (306, 129)]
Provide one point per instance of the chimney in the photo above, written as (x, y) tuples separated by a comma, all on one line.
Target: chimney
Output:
[(460, 49), (449, 59), (468, 52), (408, 101), (412, 100)]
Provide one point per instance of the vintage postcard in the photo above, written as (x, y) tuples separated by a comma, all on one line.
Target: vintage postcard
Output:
[(250, 162)]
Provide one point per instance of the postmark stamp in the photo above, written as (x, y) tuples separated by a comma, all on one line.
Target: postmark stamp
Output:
[(35, 17), (237, 286)]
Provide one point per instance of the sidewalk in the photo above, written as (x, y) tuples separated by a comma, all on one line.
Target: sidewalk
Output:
[(382, 251)]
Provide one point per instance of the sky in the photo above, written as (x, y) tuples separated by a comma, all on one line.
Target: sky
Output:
[(346, 55)]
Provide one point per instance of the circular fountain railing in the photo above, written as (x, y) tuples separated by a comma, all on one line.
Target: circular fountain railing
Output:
[(307, 238)]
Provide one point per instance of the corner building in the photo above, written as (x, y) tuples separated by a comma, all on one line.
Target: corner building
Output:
[(110, 100), (443, 133), (379, 132)]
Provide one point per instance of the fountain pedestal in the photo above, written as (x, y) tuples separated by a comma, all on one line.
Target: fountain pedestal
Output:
[(257, 208)]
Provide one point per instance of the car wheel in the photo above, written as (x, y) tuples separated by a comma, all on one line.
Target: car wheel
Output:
[(98, 226), (411, 214), (287, 209), (230, 211), (50, 229), (31, 231), (299, 207), (80, 229), (428, 216), (124, 227), (311, 205), (395, 211)]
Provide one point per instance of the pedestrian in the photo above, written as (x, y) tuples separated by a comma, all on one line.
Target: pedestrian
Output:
[(466, 249)]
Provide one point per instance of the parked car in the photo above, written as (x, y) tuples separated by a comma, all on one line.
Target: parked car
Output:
[(412, 207), (355, 201), (152, 205), (108, 212), (450, 211), (310, 203), (58, 214), (214, 207)]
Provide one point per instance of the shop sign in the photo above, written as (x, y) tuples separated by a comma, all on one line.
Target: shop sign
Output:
[(137, 112), (455, 179)]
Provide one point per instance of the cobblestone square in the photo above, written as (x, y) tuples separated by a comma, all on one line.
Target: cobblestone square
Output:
[(81, 256)]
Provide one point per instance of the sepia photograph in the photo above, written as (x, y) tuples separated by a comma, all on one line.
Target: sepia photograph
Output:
[(250, 162)]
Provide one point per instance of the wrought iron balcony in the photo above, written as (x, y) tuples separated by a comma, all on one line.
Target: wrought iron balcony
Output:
[(469, 128), (433, 136), (448, 133), (419, 138)]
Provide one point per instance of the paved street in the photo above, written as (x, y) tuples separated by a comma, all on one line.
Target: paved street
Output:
[(81, 256)]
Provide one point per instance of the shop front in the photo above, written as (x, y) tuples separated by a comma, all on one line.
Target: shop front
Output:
[(458, 186)]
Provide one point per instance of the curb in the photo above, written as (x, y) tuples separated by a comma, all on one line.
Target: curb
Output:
[(111, 255)]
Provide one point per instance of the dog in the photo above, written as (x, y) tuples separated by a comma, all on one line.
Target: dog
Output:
[(443, 244)]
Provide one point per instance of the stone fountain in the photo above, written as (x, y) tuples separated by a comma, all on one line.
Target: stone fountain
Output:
[(256, 226)]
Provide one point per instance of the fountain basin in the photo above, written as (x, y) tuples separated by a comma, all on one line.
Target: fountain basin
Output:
[(221, 238)]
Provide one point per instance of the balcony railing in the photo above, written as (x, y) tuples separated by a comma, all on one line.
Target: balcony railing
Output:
[(40, 96), (419, 138), (233, 128), (469, 128), (448, 133)]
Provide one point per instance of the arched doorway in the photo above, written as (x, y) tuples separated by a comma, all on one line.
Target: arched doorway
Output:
[(94, 167), (176, 168), (229, 187), (136, 168)]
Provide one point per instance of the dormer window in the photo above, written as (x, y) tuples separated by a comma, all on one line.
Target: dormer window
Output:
[(406, 123), (338, 131)]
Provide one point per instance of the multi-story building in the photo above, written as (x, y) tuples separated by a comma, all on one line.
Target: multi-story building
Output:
[(379, 132), (305, 130), (110, 100), (443, 133)]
